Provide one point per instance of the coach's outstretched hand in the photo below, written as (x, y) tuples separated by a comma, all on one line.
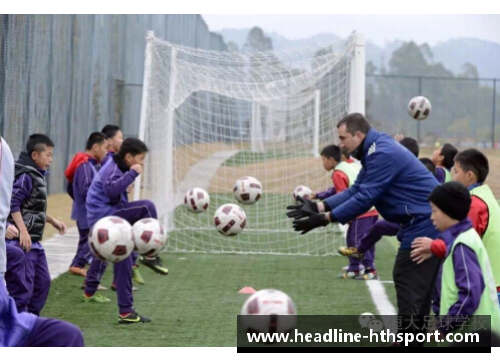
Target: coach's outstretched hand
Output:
[(307, 208), (312, 222)]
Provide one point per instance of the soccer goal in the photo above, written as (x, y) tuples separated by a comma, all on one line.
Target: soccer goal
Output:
[(212, 117)]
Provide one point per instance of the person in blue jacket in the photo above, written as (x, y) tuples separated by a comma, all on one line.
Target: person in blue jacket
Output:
[(398, 185)]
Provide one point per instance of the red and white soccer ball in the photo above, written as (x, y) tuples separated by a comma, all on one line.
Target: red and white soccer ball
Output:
[(419, 108), (247, 190), (230, 219), (110, 239), (302, 191), (149, 237), (197, 200), (277, 307)]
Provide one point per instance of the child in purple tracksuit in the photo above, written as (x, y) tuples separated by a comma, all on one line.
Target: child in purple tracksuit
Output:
[(27, 330), (107, 196), (80, 173), (28, 214)]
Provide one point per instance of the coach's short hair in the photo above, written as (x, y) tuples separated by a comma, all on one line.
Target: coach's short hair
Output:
[(37, 142), (411, 144), (355, 122), (110, 130), (332, 151), (134, 146), (475, 161), (96, 137)]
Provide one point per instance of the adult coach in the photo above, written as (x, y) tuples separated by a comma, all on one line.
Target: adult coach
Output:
[(397, 184)]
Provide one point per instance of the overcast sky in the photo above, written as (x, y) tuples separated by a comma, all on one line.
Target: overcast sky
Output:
[(378, 28)]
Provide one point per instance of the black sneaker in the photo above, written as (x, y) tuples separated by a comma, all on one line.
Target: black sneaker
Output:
[(154, 264), (133, 318)]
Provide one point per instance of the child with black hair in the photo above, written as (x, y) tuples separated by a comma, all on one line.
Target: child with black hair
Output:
[(344, 175), (465, 284), (429, 164), (443, 159), (80, 173), (471, 169), (107, 196), (28, 212), (115, 140)]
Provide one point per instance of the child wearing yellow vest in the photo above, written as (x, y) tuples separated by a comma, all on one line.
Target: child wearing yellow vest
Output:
[(471, 169), (344, 175), (465, 285), (443, 159)]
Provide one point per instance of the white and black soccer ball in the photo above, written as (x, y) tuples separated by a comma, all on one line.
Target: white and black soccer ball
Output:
[(247, 190), (278, 311), (302, 191), (110, 239), (419, 108), (230, 219), (197, 200), (149, 237)]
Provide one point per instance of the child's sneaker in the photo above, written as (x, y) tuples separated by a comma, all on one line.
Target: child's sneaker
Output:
[(369, 274), (154, 264), (348, 275), (133, 317), (96, 298), (136, 275), (74, 270), (351, 252)]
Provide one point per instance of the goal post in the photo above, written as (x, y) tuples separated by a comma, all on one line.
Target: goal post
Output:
[(210, 117)]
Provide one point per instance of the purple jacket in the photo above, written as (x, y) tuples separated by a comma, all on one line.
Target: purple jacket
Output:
[(468, 276), (14, 327), (108, 191), (326, 194), (108, 157), (78, 190)]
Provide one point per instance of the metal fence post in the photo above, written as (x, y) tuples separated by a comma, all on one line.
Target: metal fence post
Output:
[(494, 111)]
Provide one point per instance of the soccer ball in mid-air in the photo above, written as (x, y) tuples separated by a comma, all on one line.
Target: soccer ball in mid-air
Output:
[(247, 190), (110, 239), (275, 310), (197, 200), (302, 191), (419, 108), (149, 237), (230, 219)]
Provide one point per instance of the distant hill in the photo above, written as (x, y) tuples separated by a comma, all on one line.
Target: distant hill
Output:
[(453, 53)]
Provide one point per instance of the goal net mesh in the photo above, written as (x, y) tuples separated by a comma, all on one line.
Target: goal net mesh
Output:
[(210, 118)]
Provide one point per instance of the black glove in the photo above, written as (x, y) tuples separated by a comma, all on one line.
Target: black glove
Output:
[(307, 208), (312, 222)]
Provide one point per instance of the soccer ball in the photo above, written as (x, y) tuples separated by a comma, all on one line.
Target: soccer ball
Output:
[(247, 190), (149, 237), (196, 200), (302, 191), (277, 310), (110, 239), (230, 219), (419, 108)]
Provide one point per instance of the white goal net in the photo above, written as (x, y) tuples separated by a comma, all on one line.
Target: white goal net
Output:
[(210, 118)]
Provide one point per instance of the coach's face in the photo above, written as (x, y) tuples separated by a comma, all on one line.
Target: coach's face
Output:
[(348, 141)]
